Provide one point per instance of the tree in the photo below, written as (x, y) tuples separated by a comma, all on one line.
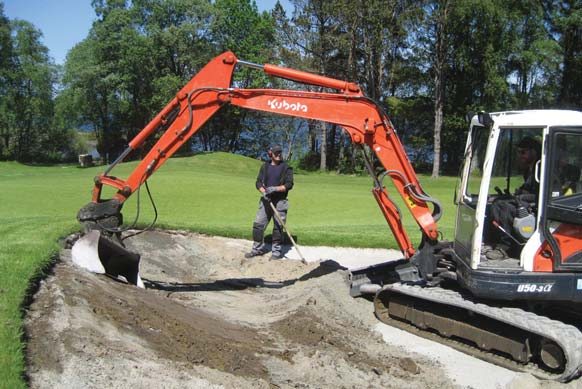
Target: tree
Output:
[(7, 69), (362, 41), (135, 58), (438, 12), (179, 46), (97, 81), (534, 58), (565, 17), (238, 26), (312, 43), (28, 131), (478, 71), (31, 93)]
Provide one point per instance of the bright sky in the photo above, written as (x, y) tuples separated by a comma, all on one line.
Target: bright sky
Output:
[(64, 23)]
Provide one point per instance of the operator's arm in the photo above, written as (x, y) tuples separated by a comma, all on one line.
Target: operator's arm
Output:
[(288, 180), (529, 190), (260, 179)]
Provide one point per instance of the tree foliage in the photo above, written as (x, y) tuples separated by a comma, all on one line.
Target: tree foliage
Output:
[(426, 62), (27, 129), (565, 19), (139, 54)]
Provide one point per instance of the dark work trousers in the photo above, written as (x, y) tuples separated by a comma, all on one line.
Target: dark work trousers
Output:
[(264, 216), (503, 211)]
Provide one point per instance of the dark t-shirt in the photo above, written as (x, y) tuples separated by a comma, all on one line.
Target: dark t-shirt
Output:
[(273, 175)]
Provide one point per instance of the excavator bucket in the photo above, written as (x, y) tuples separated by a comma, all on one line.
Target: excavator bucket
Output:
[(99, 254)]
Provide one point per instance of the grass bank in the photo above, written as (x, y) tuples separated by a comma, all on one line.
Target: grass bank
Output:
[(209, 193)]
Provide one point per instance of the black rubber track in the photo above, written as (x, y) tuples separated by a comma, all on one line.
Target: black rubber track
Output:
[(566, 336)]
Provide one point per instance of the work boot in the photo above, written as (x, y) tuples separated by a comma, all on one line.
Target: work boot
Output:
[(485, 248), (275, 256), (496, 254), (254, 253)]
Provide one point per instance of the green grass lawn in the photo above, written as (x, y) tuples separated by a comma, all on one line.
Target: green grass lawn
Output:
[(209, 193)]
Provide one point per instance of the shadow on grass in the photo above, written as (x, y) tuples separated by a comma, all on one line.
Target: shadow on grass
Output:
[(324, 268)]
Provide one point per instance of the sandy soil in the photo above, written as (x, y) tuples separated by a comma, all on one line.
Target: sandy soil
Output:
[(210, 318)]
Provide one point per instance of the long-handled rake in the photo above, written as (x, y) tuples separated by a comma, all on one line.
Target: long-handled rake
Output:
[(280, 221)]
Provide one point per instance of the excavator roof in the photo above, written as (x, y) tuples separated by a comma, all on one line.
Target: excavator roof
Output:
[(537, 118)]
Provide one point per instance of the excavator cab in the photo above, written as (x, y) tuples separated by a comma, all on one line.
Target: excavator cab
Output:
[(524, 306), (499, 175), (545, 225)]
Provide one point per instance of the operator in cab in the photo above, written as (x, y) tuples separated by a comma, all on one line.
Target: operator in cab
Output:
[(274, 181), (504, 210), (528, 154)]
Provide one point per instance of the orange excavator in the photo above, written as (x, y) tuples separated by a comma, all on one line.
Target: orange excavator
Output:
[(519, 311)]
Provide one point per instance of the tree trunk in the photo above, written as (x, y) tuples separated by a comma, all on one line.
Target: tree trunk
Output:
[(312, 135), (439, 66), (323, 147), (438, 124)]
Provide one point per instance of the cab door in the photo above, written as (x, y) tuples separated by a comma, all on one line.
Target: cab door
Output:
[(561, 219)]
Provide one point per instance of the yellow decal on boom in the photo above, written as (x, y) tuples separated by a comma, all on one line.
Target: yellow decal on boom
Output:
[(411, 202)]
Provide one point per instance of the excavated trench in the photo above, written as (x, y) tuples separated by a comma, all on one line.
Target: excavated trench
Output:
[(211, 318)]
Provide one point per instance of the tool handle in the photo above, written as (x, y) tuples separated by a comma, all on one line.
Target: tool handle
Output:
[(280, 221)]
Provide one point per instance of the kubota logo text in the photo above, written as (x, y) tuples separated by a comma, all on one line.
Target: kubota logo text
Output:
[(285, 106)]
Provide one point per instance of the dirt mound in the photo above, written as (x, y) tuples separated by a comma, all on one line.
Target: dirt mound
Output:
[(210, 318)]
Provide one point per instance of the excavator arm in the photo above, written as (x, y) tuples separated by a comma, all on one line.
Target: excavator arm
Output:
[(366, 124), (210, 89)]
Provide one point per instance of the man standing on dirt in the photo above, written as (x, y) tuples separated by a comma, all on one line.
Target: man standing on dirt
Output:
[(274, 181)]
